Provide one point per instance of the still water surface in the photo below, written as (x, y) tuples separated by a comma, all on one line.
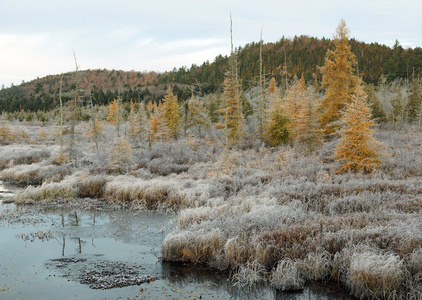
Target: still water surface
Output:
[(44, 251)]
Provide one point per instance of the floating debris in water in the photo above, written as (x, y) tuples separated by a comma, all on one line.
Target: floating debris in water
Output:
[(102, 274)]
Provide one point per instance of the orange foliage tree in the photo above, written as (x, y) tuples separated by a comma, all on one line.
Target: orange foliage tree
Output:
[(357, 149), (171, 114), (338, 80)]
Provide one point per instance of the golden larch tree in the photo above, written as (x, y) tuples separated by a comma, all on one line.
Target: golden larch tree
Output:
[(338, 80), (232, 112), (115, 114), (357, 149), (171, 114)]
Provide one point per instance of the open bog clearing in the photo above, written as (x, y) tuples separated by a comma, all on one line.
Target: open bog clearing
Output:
[(99, 252), (185, 220)]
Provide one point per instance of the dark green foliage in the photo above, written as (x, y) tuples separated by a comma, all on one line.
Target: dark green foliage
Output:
[(377, 111), (414, 104)]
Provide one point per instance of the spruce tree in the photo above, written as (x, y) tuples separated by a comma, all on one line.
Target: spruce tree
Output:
[(338, 80)]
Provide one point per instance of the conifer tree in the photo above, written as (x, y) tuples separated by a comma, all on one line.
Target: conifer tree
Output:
[(338, 80), (375, 104), (134, 128), (414, 103), (197, 115), (115, 114), (171, 114), (96, 128), (293, 103), (232, 113), (277, 130), (272, 86), (120, 157), (306, 131), (357, 149), (397, 112)]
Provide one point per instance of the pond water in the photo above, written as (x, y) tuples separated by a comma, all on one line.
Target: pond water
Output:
[(73, 253)]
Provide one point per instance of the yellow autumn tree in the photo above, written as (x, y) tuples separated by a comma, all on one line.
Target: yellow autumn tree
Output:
[(171, 114), (338, 80), (357, 149), (115, 114), (272, 86), (293, 103)]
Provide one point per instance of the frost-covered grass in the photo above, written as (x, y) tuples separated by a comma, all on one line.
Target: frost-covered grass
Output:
[(269, 214)]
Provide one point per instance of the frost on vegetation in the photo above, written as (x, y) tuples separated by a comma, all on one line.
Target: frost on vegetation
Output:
[(34, 173), (287, 275), (375, 275), (18, 155), (67, 188), (249, 274)]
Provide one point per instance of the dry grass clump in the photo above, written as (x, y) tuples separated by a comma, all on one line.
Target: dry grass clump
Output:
[(50, 191), (287, 275), (249, 274), (375, 275), (92, 186), (19, 155), (34, 173), (194, 247), (155, 193)]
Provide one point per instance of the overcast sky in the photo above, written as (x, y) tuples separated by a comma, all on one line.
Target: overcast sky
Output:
[(38, 37)]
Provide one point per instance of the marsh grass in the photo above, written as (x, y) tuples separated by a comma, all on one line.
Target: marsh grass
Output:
[(267, 214)]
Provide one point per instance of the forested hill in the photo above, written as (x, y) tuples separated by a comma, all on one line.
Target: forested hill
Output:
[(303, 54), (298, 55)]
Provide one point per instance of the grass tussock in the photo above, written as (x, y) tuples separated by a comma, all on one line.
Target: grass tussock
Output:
[(374, 275)]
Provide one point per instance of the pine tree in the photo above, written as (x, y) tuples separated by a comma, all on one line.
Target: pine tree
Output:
[(414, 103), (171, 114), (357, 149), (338, 80)]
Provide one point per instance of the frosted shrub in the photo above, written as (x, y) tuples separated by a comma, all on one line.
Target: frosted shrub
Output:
[(375, 275), (287, 276)]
